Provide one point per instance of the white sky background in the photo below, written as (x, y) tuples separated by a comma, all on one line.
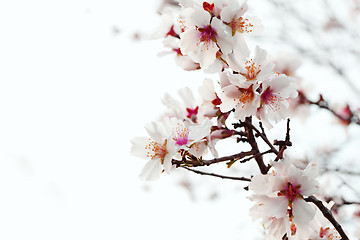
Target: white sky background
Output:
[(72, 95)]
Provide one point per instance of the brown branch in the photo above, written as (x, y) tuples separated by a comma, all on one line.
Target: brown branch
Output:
[(321, 103), (254, 146), (265, 139), (218, 175), (256, 155), (200, 162), (328, 215)]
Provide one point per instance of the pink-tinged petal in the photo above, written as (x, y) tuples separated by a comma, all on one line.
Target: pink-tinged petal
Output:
[(157, 131), (138, 146), (206, 54), (234, 64), (303, 212), (230, 93), (243, 111), (206, 90), (276, 226), (238, 80), (241, 50), (168, 167), (151, 170), (260, 184), (224, 79), (228, 13), (260, 56), (198, 149), (216, 67), (312, 170), (224, 40), (187, 96), (200, 18), (198, 132), (271, 207), (189, 40), (266, 72)]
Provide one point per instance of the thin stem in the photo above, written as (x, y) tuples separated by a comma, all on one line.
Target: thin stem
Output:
[(321, 103), (256, 155), (212, 161), (218, 175)]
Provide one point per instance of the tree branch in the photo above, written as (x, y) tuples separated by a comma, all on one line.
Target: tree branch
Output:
[(254, 146), (218, 175), (199, 162), (328, 215), (321, 103)]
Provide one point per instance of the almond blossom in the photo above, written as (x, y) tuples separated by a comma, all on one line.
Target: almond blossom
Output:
[(188, 109), (211, 101), (274, 99), (190, 136), (232, 14), (204, 38), (279, 199), (253, 69), (241, 96), (159, 149)]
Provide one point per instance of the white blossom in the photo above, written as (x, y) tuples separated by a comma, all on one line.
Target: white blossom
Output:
[(274, 99), (204, 38), (159, 149), (279, 198)]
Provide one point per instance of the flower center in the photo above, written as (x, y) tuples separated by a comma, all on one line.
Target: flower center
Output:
[(252, 70), (247, 95), (241, 25), (171, 32), (155, 149), (178, 51), (181, 135), (270, 99), (192, 113), (291, 192), (207, 34)]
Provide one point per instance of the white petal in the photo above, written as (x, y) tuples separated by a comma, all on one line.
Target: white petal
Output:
[(227, 98), (206, 54), (302, 212), (260, 184), (157, 131), (200, 18), (198, 132), (151, 170), (260, 56), (206, 90), (187, 96), (138, 146), (189, 40)]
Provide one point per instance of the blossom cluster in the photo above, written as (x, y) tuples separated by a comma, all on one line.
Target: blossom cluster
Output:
[(211, 36)]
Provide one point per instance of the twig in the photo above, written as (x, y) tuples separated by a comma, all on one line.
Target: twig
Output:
[(328, 215), (256, 155), (321, 103), (199, 162), (218, 175)]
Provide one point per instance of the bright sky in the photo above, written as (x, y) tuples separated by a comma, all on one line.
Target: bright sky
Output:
[(72, 95)]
